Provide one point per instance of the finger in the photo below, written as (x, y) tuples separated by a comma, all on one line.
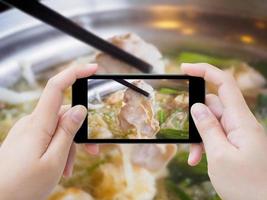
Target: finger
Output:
[(70, 162), (228, 92), (215, 105), (46, 111), (63, 109), (195, 154), (196, 150), (92, 149), (209, 129), (68, 125)]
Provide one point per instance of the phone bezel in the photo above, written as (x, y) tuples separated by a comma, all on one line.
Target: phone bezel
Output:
[(196, 94)]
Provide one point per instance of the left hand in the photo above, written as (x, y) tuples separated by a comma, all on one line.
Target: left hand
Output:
[(40, 148)]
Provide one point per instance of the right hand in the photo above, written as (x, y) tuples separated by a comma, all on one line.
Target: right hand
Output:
[(235, 143)]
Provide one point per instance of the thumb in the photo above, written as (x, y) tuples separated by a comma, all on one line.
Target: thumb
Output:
[(67, 127), (209, 128)]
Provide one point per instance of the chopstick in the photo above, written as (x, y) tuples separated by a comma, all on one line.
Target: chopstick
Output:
[(58, 21), (132, 86)]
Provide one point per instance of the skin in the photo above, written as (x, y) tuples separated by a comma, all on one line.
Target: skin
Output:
[(39, 149), (234, 142)]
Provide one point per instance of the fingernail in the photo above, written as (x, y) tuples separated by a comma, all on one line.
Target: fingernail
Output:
[(91, 65), (186, 64), (92, 149), (199, 111), (190, 159), (79, 113), (183, 65)]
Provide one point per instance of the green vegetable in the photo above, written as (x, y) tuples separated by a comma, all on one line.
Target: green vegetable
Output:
[(94, 166), (168, 91), (260, 66), (172, 134), (261, 109), (162, 116), (216, 197), (262, 102), (173, 188), (180, 171), (190, 57)]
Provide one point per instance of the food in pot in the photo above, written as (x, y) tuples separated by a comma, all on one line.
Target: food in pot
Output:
[(158, 172), (128, 114)]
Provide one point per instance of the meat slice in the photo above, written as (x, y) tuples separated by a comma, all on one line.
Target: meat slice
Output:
[(133, 44), (153, 157), (138, 113), (247, 77)]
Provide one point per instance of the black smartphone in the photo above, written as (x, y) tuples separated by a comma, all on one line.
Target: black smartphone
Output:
[(119, 114)]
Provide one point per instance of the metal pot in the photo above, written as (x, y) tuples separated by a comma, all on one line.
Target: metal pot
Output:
[(208, 27)]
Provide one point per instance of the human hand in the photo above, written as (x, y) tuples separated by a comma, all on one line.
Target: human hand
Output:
[(235, 143), (39, 148)]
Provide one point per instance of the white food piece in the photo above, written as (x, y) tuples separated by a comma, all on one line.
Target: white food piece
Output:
[(120, 179), (100, 129), (70, 194), (115, 97), (153, 157), (135, 45), (28, 74), (181, 101), (247, 78), (12, 97), (91, 106), (138, 113)]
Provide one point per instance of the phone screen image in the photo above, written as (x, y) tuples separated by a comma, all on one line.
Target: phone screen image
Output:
[(117, 113)]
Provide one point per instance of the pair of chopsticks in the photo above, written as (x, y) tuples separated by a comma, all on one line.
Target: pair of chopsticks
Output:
[(56, 20), (132, 86)]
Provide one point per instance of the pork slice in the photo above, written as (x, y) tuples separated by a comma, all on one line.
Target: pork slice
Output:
[(135, 45), (138, 113)]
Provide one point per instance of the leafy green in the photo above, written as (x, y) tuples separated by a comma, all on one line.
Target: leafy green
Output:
[(172, 134), (262, 104), (180, 171), (261, 109), (162, 116), (175, 189), (190, 57), (168, 91), (94, 166), (260, 66)]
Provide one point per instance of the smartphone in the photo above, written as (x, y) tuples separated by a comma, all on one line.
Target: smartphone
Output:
[(118, 114)]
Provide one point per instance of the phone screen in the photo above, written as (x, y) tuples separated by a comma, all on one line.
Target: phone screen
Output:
[(117, 113)]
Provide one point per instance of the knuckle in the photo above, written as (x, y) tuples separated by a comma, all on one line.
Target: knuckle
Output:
[(233, 137), (228, 78), (25, 119), (67, 130), (52, 82), (209, 125), (49, 164)]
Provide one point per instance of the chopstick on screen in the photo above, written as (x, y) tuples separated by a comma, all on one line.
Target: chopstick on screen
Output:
[(132, 86), (58, 21)]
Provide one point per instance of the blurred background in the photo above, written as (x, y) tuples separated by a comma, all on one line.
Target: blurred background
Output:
[(231, 35)]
